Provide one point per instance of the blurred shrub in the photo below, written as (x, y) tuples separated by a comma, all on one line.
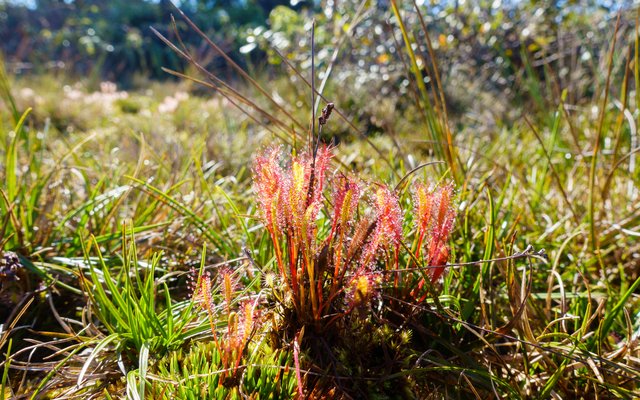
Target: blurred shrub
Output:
[(481, 46), (112, 39)]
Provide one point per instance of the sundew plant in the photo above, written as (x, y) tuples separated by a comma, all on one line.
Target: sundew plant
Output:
[(340, 243)]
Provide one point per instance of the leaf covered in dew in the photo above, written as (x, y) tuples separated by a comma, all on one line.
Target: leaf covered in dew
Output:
[(387, 231), (202, 292), (289, 189), (346, 196), (434, 218), (268, 180)]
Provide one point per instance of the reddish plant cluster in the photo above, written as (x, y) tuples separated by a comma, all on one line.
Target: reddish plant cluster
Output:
[(241, 322), (321, 269)]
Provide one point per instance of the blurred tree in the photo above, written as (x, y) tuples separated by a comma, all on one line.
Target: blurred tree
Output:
[(481, 37), (113, 38)]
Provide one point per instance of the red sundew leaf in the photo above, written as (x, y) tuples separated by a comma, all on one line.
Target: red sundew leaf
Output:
[(440, 260), (387, 230), (442, 226), (346, 196), (289, 190), (423, 208), (434, 219), (323, 159), (202, 292), (389, 215), (249, 320), (267, 179)]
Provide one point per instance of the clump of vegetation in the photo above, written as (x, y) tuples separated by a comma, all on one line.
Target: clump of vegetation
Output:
[(331, 268)]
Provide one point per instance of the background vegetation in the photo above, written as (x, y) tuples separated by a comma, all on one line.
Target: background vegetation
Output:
[(139, 257)]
